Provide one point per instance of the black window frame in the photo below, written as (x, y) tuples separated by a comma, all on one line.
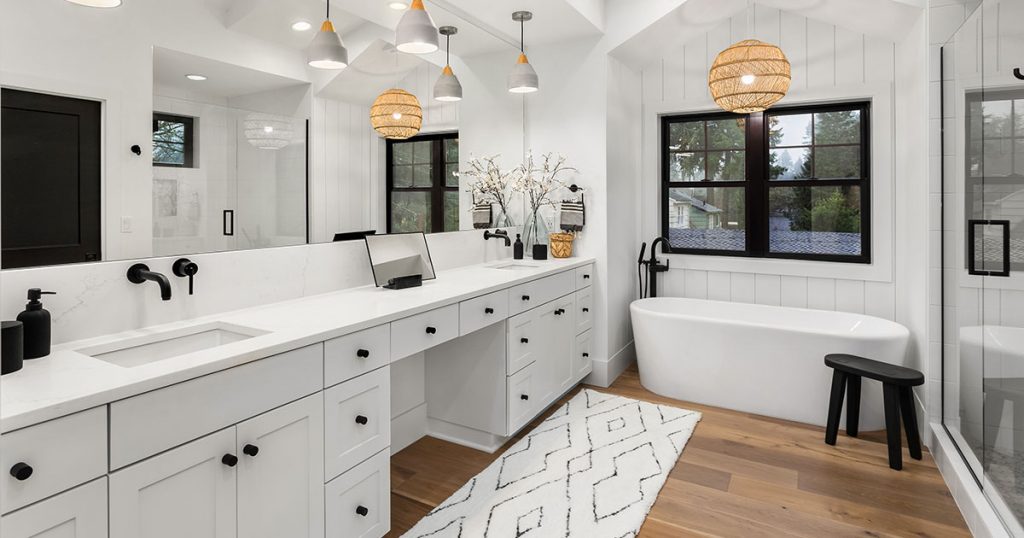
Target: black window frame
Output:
[(439, 186), (189, 144), (757, 183)]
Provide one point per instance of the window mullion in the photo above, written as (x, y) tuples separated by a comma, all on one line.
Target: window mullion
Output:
[(756, 191)]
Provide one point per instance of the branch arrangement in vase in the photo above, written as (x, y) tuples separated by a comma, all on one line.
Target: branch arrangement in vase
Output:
[(491, 185), (538, 183)]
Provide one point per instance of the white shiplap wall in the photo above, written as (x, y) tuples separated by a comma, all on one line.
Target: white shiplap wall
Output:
[(823, 57)]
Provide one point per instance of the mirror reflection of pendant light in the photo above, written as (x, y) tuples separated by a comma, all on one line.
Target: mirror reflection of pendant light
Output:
[(266, 131), (749, 76), (447, 87), (97, 3), (523, 78), (327, 51), (396, 114), (416, 33)]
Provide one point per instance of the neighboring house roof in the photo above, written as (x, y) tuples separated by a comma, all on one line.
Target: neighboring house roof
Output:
[(780, 241), (680, 196)]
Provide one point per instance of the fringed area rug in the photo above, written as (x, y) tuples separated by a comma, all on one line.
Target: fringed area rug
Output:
[(591, 470)]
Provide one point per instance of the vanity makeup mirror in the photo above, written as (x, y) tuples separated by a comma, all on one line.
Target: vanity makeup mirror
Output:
[(163, 129), (399, 255)]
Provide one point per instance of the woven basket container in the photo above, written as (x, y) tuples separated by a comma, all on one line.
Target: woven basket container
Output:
[(561, 245)]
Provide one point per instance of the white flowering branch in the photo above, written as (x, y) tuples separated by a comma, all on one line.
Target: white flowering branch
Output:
[(537, 184), (491, 185)]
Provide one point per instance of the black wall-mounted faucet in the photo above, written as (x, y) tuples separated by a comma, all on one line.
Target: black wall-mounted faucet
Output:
[(140, 273), (501, 234), (185, 268)]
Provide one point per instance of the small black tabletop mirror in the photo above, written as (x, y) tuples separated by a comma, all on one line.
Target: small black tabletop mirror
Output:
[(397, 259)]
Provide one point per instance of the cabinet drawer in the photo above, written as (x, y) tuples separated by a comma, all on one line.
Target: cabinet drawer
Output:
[(477, 313), (584, 310), (357, 421), (582, 365), (537, 292), (584, 276), (524, 341), (54, 456), (523, 399), (150, 423), (423, 331), (356, 354), (359, 501), (79, 513)]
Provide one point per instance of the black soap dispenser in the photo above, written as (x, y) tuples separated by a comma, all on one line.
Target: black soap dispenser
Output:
[(517, 249), (36, 323)]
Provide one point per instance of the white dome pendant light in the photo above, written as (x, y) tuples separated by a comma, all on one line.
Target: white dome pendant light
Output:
[(523, 78), (416, 33), (327, 51), (447, 88)]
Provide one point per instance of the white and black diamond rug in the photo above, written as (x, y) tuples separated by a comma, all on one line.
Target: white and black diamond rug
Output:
[(591, 470)]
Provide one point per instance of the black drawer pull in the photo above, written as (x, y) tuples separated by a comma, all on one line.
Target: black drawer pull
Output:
[(524, 340), (526, 297), (250, 450), (586, 277), (524, 397), (21, 471), (363, 511), (488, 310), (559, 312), (586, 310), (230, 460), (363, 353), (360, 419), (586, 355), (431, 330)]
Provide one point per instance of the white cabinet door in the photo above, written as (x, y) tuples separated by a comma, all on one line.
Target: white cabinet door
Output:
[(78, 513), (281, 472), (357, 420), (563, 337), (188, 491), (359, 501)]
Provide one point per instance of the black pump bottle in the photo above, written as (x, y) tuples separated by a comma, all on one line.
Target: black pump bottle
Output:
[(517, 249), (36, 322)]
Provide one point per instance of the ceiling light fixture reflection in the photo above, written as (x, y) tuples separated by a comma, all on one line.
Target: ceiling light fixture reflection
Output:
[(97, 3), (327, 51), (448, 88), (301, 26), (523, 78), (195, 77), (416, 32), (398, 6)]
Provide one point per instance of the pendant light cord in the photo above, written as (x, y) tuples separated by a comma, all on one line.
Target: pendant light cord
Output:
[(328, 9), (522, 37), (448, 49)]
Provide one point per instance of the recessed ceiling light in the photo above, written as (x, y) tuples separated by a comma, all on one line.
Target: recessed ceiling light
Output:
[(398, 6), (97, 3), (197, 78), (301, 26)]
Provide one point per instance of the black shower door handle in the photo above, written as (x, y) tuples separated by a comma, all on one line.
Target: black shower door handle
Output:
[(229, 222), (972, 261)]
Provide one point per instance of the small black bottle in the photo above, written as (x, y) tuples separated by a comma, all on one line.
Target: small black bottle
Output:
[(517, 249), (36, 325)]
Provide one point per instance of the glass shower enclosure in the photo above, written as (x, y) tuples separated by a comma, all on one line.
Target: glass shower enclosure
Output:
[(982, 96)]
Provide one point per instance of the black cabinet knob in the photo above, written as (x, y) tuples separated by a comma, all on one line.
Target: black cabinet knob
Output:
[(559, 312), (524, 340), (362, 353), (230, 460), (586, 310), (21, 470), (586, 355), (488, 310), (524, 397), (362, 420), (586, 277), (526, 297), (362, 510), (250, 450), (431, 330)]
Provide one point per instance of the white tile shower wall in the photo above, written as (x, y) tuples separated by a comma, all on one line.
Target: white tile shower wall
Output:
[(96, 299)]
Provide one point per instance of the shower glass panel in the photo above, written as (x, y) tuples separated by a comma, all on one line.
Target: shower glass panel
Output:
[(983, 250)]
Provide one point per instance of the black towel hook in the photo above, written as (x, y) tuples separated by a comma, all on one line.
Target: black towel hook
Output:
[(1018, 74)]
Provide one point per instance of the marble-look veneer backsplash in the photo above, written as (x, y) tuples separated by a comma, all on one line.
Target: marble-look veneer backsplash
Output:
[(94, 299)]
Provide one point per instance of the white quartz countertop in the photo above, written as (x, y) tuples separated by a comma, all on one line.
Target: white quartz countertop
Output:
[(67, 381)]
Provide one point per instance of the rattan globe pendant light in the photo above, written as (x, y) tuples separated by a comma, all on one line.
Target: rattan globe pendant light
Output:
[(749, 76), (523, 78), (448, 88), (396, 114)]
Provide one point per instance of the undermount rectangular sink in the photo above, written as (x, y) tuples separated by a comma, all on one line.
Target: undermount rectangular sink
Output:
[(150, 348), (514, 266)]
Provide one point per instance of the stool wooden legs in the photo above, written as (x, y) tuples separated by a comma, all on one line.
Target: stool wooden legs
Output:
[(852, 404), (835, 406), (909, 412), (891, 394)]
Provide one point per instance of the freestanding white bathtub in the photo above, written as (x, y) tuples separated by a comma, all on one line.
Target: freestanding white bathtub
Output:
[(767, 360)]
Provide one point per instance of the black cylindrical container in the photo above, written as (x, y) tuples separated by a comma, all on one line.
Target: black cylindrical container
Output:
[(12, 342)]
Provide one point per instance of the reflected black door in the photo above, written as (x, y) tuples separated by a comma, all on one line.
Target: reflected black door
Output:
[(50, 186)]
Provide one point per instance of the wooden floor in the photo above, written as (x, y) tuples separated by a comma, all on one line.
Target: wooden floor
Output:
[(740, 475)]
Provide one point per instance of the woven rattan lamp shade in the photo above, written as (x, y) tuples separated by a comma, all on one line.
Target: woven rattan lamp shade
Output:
[(749, 76), (396, 114)]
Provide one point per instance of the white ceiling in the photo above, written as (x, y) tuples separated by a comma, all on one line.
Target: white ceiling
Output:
[(378, 68), (224, 80)]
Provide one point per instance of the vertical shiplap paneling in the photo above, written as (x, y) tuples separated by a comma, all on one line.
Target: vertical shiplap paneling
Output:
[(821, 293), (719, 286), (673, 75), (650, 79), (768, 290), (672, 283), (879, 300), (794, 43), (696, 284), (717, 39), (849, 57), (331, 172), (850, 296), (879, 60), (767, 23), (318, 182), (992, 307), (821, 54), (739, 27), (1011, 308), (742, 287), (794, 291), (695, 73)]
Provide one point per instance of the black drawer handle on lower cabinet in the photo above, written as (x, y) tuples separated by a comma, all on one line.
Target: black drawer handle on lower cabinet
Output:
[(526, 297), (431, 330), (586, 310), (361, 420), (250, 450), (524, 397), (230, 460), (559, 312), (524, 340), (488, 310), (362, 353), (586, 355), (586, 277), (21, 471), (363, 511)]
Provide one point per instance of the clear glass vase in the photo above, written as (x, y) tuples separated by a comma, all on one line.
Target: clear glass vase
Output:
[(501, 218), (535, 231)]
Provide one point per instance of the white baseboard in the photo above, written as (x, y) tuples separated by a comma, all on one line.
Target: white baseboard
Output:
[(606, 372), (408, 427), (981, 518)]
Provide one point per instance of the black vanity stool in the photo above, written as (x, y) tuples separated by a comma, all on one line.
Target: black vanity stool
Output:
[(897, 388)]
